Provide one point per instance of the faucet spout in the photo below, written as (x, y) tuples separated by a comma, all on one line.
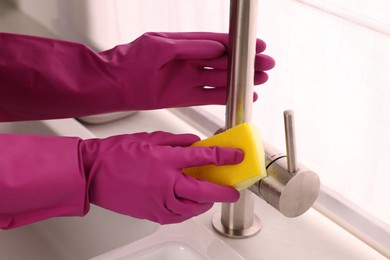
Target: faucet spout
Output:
[(288, 187), (238, 219)]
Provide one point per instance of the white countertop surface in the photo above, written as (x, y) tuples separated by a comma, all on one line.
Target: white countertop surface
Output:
[(310, 236)]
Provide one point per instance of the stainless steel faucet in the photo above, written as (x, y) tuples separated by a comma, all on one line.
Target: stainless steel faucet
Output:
[(289, 187)]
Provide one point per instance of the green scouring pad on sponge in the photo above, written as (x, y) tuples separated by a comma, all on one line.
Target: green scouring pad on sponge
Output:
[(246, 137)]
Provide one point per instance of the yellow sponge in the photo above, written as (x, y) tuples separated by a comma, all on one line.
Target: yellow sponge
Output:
[(245, 137)]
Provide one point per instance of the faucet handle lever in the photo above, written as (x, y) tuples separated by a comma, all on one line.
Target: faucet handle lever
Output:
[(289, 129), (289, 187)]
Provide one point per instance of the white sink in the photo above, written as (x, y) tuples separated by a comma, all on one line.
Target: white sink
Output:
[(73, 237), (189, 240)]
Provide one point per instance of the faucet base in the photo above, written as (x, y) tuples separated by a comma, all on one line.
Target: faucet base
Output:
[(236, 233)]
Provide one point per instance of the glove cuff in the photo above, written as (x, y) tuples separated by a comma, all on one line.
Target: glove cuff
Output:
[(41, 177)]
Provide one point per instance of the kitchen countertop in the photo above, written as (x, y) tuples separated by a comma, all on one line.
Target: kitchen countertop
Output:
[(310, 236)]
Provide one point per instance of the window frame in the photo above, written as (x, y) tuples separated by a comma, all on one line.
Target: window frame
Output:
[(366, 17)]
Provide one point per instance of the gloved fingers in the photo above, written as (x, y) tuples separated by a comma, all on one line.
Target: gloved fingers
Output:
[(263, 62), (187, 49), (218, 78), (220, 63), (212, 96), (213, 72), (199, 49), (260, 77), (255, 96), (186, 208), (201, 191), (212, 77), (205, 95), (260, 46), (213, 36), (199, 155), (165, 138)]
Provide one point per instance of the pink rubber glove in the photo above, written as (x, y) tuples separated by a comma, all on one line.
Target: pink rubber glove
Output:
[(137, 175), (46, 78), (141, 175)]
